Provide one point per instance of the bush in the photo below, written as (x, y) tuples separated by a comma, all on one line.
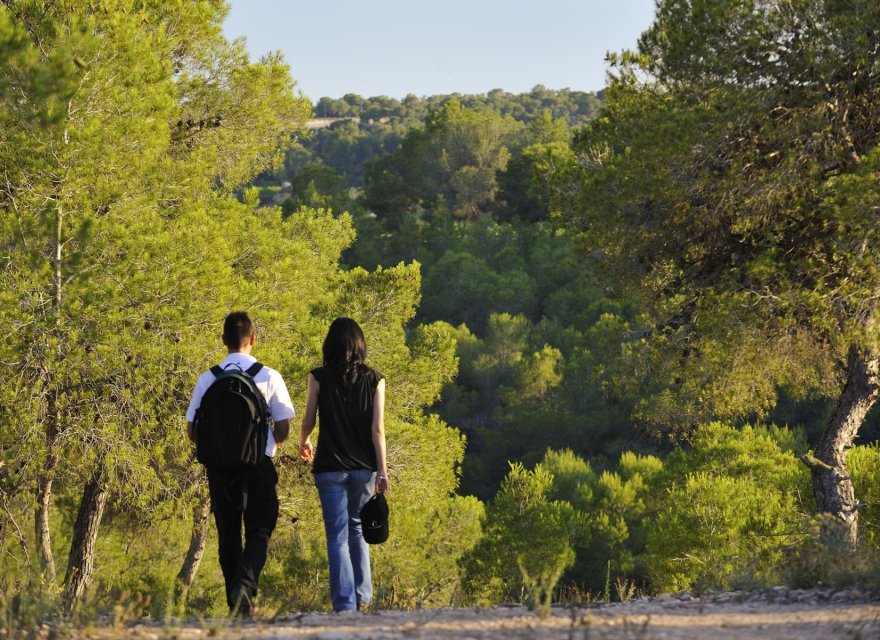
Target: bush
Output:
[(864, 468), (526, 544), (733, 506), (716, 531), (813, 562), (613, 506)]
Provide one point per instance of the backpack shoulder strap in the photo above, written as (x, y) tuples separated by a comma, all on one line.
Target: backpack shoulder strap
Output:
[(253, 370), (216, 370)]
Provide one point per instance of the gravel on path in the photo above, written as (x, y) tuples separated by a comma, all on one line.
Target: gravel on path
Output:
[(774, 614)]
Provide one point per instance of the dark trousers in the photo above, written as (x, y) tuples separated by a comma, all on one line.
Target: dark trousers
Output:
[(242, 565)]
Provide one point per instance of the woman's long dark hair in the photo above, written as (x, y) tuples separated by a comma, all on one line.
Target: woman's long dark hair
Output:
[(345, 349)]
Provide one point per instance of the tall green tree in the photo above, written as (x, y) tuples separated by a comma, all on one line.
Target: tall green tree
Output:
[(457, 156), (730, 187), (124, 126)]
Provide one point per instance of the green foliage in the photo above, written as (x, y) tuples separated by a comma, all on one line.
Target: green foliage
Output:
[(615, 506), (573, 478), (713, 531), (317, 186), (456, 156), (581, 528), (22, 611), (458, 280), (725, 513), (548, 395), (573, 106), (766, 454), (814, 562), (130, 568), (733, 505), (526, 543), (348, 147), (721, 190), (361, 131), (622, 502), (864, 465), (517, 394)]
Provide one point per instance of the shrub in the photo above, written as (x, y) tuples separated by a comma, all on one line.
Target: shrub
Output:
[(526, 544), (615, 505), (717, 531), (733, 504), (864, 468)]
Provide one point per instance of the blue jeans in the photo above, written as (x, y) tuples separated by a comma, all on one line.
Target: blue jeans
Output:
[(342, 495)]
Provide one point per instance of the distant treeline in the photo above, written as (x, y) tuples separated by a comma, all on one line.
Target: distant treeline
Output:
[(348, 146), (576, 107)]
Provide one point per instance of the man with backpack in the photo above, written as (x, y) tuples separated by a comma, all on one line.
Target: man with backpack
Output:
[(240, 410)]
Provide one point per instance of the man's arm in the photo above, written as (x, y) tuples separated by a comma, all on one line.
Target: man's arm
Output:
[(202, 385), (281, 430)]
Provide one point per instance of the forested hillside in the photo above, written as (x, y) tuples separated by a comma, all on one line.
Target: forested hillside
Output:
[(459, 191), (465, 190), (630, 337)]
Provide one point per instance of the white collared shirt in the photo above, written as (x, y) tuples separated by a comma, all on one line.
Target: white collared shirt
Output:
[(268, 381)]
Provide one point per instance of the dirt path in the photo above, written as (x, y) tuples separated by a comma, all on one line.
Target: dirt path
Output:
[(638, 620)]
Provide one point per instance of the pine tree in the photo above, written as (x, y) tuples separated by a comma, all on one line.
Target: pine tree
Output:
[(730, 188), (125, 126)]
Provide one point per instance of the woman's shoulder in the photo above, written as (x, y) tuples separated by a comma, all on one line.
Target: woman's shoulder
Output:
[(320, 373), (373, 375)]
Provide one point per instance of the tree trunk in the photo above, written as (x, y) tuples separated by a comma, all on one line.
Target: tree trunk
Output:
[(44, 495), (197, 541), (832, 485), (85, 535), (42, 533)]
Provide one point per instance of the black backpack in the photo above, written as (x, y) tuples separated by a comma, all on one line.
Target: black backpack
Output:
[(232, 423)]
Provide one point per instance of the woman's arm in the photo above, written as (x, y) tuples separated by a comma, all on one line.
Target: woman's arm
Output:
[(306, 450), (379, 437)]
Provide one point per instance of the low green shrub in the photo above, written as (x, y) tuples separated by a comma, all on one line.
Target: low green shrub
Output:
[(526, 543), (864, 468), (718, 531), (730, 505)]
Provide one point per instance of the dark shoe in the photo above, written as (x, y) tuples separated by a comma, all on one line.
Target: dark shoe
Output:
[(243, 607)]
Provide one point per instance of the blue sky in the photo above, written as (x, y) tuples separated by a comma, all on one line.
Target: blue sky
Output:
[(396, 47)]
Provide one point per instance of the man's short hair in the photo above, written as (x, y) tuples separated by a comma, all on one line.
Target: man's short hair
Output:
[(237, 329)]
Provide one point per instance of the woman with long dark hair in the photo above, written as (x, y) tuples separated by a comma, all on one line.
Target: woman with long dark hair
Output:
[(349, 463)]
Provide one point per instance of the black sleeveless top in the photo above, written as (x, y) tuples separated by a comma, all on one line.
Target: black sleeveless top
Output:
[(345, 421)]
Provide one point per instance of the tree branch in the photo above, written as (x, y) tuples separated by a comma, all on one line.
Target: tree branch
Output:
[(815, 464)]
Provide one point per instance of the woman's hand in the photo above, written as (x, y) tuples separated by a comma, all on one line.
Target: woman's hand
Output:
[(381, 483), (306, 450)]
